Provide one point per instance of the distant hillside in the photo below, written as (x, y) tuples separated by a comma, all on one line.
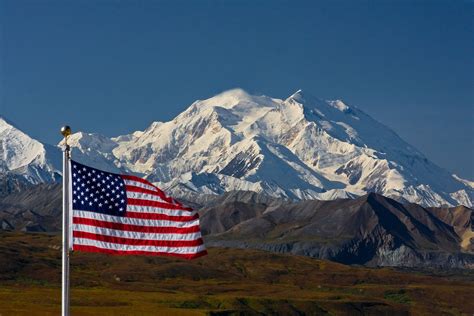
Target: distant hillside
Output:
[(371, 230)]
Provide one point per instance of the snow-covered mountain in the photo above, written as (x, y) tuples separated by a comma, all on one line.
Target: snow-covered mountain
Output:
[(24, 157), (298, 148)]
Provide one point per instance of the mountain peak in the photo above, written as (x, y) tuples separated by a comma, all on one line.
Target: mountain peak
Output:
[(238, 93), (303, 97), (5, 123)]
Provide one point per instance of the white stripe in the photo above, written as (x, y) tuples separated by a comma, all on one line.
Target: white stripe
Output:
[(134, 221), (122, 247), (140, 185), (158, 210), (135, 235), (145, 196)]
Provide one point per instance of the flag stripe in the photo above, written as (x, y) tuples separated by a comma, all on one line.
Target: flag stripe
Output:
[(136, 228), (139, 185), (125, 247), (158, 210), (162, 216), (135, 235), (138, 242), (155, 189), (134, 221), (143, 196), (135, 252), (157, 204)]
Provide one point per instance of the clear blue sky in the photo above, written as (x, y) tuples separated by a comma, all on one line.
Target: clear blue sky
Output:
[(114, 66)]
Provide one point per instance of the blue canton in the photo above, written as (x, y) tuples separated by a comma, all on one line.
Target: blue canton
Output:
[(97, 191)]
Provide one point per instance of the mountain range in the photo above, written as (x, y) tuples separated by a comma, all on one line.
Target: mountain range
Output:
[(371, 230), (299, 148)]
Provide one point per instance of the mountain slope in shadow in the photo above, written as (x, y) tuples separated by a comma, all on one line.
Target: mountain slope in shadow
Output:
[(370, 230)]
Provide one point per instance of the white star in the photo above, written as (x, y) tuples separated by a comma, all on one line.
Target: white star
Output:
[(122, 201), (95, 200), (100, 204), (90, 203)]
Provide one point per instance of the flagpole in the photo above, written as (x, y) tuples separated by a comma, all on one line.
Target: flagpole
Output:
[(65, 131)]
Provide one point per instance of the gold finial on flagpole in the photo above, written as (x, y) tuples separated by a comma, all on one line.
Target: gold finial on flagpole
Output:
[(65, 131)]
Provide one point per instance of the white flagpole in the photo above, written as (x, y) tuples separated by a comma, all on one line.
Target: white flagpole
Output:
[(65, 131)]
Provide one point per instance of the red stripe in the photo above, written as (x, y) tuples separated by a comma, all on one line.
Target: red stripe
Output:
[(160, 193), (162, 216), (138, 252), (132, 188), (136, 228), (141, 202), (139, 242)]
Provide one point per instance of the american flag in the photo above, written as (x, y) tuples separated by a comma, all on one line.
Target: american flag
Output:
[(127, 215)]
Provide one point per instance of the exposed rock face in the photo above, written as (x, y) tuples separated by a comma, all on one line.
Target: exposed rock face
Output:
[(34, 208), (371, 230)]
